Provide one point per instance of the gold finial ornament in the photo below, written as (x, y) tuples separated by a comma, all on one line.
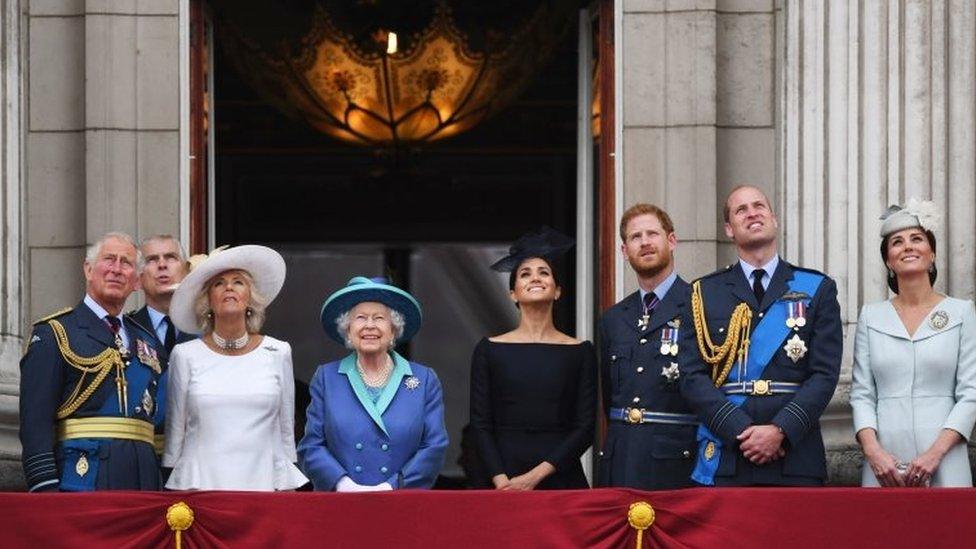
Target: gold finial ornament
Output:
[(641, 517), (179, 517)]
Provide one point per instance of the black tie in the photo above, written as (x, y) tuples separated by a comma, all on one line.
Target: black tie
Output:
[(170, 340), (757, 287), (650, 301), (113, 324)]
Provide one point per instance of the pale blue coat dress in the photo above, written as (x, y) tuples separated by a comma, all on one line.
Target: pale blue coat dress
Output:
[(910, 388)]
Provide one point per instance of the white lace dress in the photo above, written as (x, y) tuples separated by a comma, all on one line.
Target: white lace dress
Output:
[(230, 419)]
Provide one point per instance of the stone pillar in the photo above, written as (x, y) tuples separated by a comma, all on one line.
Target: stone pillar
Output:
[(669, 122), (101, 139), (879, 105), (11, 282)]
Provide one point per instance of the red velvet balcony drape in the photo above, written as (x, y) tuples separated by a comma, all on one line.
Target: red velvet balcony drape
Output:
[(748, 517)]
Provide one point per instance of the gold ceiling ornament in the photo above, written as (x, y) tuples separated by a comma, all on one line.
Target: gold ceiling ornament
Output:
[(404, 87)]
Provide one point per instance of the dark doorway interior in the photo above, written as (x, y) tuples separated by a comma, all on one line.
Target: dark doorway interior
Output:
[(432, 218)]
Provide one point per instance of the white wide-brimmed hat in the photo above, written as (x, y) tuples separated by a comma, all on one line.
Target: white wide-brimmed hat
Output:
[(265, 266)]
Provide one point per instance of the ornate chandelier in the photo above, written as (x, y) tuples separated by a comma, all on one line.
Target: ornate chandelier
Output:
[(370, 73)]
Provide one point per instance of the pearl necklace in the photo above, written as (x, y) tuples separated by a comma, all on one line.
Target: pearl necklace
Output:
[(376, 380), (231, 344)]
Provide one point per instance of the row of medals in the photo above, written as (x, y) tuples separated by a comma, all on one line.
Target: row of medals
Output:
[(669, 334)]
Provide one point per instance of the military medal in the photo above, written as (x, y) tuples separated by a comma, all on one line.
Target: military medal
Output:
[(795, 348), (797, 314), (939, 319), (81, 467), (643, 321), (671, 372), (669, 340), (148, 356), (147, 403)]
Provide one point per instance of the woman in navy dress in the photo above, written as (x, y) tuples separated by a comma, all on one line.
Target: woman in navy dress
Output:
[(533, 389)]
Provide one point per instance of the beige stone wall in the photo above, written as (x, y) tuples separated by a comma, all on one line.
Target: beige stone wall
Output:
[(91, 118), (699, 88), (102, 133)]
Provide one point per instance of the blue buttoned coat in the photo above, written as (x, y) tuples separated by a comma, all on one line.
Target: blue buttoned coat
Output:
[(798, 415), (649, 456), (401, 439)]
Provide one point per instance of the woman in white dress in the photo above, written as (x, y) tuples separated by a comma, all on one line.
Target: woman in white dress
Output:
[(231, 393), (914, 386)]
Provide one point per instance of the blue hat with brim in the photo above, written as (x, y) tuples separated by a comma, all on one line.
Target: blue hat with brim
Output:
[(360, 289)]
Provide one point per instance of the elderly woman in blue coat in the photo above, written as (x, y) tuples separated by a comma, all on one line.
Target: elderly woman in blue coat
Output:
[(376, 421)]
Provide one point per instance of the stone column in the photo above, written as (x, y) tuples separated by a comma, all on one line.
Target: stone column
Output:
[(669, 122), (879, 105), (11, 284)]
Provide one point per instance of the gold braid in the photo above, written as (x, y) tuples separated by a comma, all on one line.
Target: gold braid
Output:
[(736, 344), (101, 364)]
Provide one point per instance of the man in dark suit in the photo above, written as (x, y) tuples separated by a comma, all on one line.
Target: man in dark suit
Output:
[(650, 441), (770, 342), (88, 386), (162, 267)]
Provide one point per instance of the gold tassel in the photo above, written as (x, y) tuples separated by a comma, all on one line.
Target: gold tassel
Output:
[(179, 517), (641, 517)]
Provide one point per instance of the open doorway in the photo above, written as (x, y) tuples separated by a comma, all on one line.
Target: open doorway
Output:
[(431, 216)]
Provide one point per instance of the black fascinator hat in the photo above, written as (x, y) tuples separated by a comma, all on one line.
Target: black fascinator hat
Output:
[(546, 243)]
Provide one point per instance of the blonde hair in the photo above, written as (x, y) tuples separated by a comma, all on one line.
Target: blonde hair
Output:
[(256, 306)]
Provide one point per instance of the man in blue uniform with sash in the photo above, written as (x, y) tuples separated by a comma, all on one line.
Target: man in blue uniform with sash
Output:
[(770, 343), (650, 442), (88, 386)]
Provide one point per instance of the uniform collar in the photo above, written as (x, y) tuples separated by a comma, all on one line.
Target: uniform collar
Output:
[(661, 289), (155, 317), (100, 311), (769, 267)]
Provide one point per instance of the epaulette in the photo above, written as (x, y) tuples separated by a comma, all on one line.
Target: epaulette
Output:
[(717, 272), (55, 314), (814, 271), (131, 318)]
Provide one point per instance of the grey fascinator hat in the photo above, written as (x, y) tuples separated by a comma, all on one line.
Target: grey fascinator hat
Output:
[(915, 213)]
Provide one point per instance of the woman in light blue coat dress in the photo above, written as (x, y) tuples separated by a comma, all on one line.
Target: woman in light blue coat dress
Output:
[(914, 386), (376, 420)]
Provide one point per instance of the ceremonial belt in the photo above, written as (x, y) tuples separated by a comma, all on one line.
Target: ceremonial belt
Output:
[(106, 427), (159, 441), (760, 387), (636, 416)]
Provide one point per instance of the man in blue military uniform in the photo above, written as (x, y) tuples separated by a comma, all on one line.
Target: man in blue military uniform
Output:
[(161, 268), (770, 343), (650, 442), (88, 386)]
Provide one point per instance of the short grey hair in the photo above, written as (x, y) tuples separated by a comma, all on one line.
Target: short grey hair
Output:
[(179, 247), (257, 305), (342, 325), (91, 254)]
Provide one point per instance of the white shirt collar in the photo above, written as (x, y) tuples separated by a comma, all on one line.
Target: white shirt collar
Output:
[(155, 317), (662, 289), (769, 267)]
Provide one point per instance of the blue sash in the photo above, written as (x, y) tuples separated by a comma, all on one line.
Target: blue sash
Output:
[(765, 341)]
